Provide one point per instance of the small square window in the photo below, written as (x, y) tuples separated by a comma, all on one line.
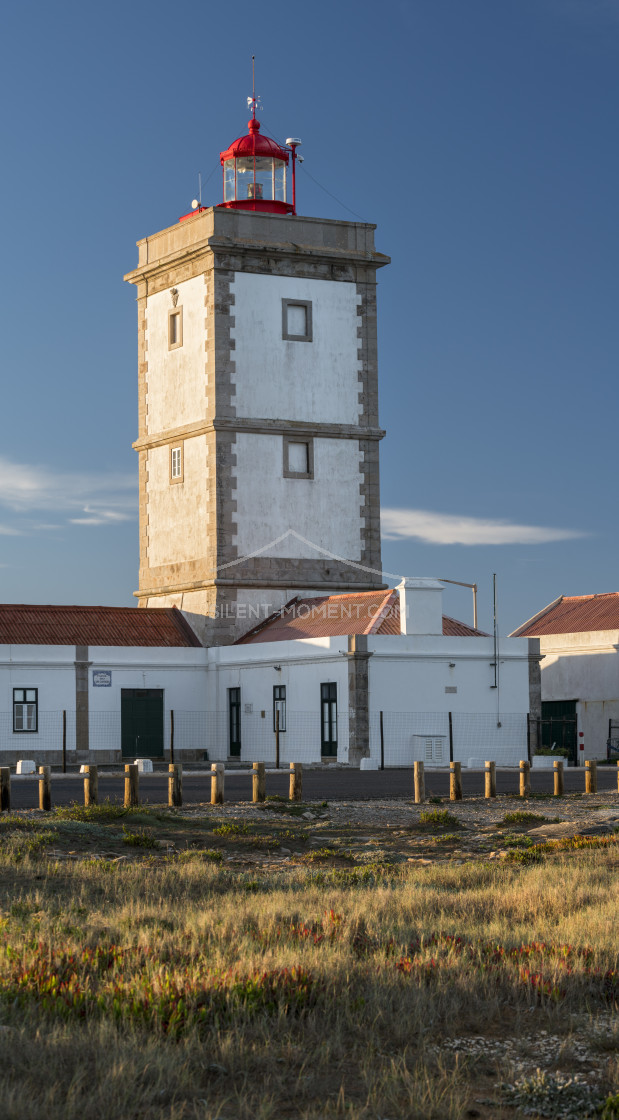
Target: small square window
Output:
[(176, 463), (297, 320), (25, 709), (175, 328), (298, 457)]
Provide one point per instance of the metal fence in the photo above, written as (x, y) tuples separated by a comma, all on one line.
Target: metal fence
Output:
[(402, 735)]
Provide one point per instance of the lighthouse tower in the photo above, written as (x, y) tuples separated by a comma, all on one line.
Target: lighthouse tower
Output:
[(258, 401)]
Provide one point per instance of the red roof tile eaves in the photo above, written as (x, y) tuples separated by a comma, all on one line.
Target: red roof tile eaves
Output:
[(34, 624), (574, 614)]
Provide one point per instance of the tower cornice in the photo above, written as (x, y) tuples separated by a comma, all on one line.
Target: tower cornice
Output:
[(261, 426), (222, 235)]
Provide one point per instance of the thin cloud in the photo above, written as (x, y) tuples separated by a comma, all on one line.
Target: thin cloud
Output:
[(87, 499), (445, 528), (8, 531)]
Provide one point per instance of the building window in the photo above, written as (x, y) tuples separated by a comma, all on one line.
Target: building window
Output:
[(176, 463), (175, 328), (297, 320), (279, 706), (298, 457), (234, 718), (25, 709), (328, 719)]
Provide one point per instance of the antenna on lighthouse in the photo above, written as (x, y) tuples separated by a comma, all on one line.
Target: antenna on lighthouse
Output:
[(253, 102), (197, 202)]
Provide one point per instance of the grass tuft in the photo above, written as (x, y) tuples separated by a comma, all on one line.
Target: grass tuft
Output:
[(441, 817), (520, 816)]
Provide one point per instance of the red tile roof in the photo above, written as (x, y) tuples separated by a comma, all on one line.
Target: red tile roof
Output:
[(573, 614), (94, 626), (329, 616)]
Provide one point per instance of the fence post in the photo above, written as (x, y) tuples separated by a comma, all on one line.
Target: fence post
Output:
[(45, 788), (296, 781), (525, 778), (618, 777), (132, 789), (175, 784), (455, 781), (91, 785), (557, 766), (5, 788), (217, 783), (171, 736), (277, 738), (591, 775), (258, 782), (64, 742), (382, 743), (420, 783), (490, 779)]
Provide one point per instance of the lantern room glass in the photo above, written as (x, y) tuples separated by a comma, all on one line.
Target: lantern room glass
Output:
[(260, 178)]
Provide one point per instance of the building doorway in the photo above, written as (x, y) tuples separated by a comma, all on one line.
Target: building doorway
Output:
[(141, 722), (558, 728), (328, 722), (234, 721)]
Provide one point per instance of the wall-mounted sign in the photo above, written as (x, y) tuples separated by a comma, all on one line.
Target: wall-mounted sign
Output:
[(102, 678)]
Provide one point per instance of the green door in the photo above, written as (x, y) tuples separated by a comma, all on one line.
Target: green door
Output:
[(328, 720), (234, 716), (141, 722), (558, 728)]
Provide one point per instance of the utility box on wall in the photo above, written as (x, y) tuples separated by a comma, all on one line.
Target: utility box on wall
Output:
[(432, 749)]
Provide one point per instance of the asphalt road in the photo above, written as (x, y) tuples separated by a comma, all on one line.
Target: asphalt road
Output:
[(337, 785)]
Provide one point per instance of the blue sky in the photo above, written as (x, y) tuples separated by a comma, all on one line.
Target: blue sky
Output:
[(479, 136)]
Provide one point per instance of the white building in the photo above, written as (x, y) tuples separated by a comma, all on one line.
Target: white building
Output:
[(347, 673), (579, 645), (104, 678), (341, 677)]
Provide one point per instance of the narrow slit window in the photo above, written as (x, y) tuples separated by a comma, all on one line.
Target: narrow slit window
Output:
[(176, 463), (175, 328), (279, 707)]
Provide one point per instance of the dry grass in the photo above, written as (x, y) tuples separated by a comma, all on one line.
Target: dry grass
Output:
[(167, 983)]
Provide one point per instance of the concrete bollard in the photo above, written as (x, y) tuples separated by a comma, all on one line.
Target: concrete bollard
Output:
[(132, 789), (420, 783), (5, 789), (490, 779), (45, 788), (175, 784), (455, 781), (525, 778), (91, 785), (591, 776), (557, 767), (217, 783), (296, 782), (258, 782)]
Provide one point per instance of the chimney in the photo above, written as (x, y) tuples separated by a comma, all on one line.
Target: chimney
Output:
[(421, 606)]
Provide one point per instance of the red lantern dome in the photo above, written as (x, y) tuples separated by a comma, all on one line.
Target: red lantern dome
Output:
[(255, 172)]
